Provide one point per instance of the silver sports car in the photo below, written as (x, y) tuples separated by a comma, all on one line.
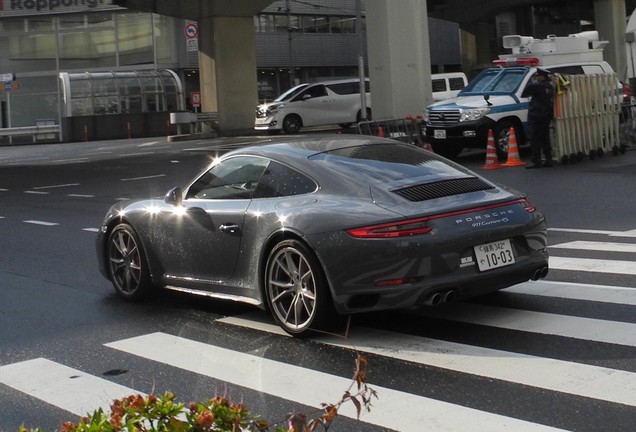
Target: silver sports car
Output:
[(313, 229)]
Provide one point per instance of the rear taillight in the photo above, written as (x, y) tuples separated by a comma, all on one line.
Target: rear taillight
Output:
[(420, 226), (394, 229)]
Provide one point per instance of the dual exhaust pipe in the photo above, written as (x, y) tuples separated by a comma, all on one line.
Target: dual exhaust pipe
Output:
[(539, 273), (438, 298), (449, 296)]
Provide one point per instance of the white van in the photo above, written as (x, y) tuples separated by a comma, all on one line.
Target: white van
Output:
[(447, 85), (317, 104)]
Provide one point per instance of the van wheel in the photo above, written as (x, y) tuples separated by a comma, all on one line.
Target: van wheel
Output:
[(292, 124), (502, 137)]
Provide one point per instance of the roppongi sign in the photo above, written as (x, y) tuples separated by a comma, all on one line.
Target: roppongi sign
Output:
[(36, 7)]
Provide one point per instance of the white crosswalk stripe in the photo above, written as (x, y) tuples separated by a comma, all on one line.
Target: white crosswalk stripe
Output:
[(78, 392)]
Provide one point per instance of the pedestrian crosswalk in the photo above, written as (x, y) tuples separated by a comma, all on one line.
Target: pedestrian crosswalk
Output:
[(607, 382)]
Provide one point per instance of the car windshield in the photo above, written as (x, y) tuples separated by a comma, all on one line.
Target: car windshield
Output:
[(380, 163), (496, 80), (290, 93)]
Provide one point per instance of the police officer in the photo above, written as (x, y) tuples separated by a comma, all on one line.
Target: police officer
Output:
[(540, 114)]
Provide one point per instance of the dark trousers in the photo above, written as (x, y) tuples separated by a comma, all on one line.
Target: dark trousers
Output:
[(540, 141)]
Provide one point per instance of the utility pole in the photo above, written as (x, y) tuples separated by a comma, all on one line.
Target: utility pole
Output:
[(292, 77), (363, 93)]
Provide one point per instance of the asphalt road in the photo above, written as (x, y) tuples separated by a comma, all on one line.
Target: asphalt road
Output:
[(553, 355)]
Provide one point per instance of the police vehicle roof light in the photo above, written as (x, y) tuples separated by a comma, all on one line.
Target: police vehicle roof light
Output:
[(515, 61)]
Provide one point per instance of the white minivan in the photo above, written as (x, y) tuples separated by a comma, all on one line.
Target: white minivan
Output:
[(324, 103)]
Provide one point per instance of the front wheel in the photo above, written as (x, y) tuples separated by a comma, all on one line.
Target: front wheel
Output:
[(292, 124), (296, 290), (127, 265)]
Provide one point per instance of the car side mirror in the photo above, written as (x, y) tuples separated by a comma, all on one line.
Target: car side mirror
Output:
[(487, 99), (174, 196)]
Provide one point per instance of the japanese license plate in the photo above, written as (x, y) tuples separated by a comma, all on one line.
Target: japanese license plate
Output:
[(493, 255), (439, 133)]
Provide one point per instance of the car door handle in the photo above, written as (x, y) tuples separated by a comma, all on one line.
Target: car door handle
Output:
[(229, 228)]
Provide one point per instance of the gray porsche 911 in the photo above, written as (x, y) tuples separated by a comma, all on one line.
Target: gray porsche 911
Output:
[(314, 229)]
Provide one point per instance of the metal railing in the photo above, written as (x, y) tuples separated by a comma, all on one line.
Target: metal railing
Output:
[(38, 132), (406, 130)]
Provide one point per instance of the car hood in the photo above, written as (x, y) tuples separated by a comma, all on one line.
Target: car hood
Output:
[(476, 101)]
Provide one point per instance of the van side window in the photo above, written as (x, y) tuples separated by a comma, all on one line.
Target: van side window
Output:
[(568, 70), (345, 88), (439, 85), (456, 83), (313, 92)]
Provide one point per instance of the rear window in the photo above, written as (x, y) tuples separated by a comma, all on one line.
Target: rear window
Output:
[(386, 162)]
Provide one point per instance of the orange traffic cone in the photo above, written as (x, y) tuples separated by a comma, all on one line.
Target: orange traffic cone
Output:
[(492, 161), (513, 151), (381, 132)]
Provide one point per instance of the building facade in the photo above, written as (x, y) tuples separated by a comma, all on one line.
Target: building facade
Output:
[(101, 71)]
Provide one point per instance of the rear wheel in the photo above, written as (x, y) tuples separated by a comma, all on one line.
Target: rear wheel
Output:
[(296, 290), (292, 124), (127, 265)]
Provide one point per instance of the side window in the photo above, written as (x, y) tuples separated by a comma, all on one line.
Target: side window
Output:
[(439, 85), (279, 180), (593, 69), (234, 178), (568, 70), (456, 83), (312, 92), (345, 88)]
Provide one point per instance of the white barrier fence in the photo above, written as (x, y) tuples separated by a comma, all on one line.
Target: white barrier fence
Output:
[(587, 115)]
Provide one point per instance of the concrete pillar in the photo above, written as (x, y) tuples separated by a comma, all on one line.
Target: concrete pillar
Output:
[(610, 20), (228, 85), (399, 57)]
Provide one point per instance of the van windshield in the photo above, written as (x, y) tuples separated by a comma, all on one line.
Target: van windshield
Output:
[(290, 93), (495, 80)]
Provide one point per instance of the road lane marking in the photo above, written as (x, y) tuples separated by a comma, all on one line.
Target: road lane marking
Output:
[(597, 246), (587, 329), (36, 192), (593, 265), (595, 382), (66, 388), (631, 233), (576, 291), (94, 230), (43, 223), (393, 409), (56, 186), (142, 178), (80, 196)]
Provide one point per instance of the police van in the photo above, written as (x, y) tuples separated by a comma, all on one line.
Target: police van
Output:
[(493, 101)]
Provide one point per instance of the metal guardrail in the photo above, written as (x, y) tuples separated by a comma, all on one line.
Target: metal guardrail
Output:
[(406, 130), (37, 132), (194, 120)]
